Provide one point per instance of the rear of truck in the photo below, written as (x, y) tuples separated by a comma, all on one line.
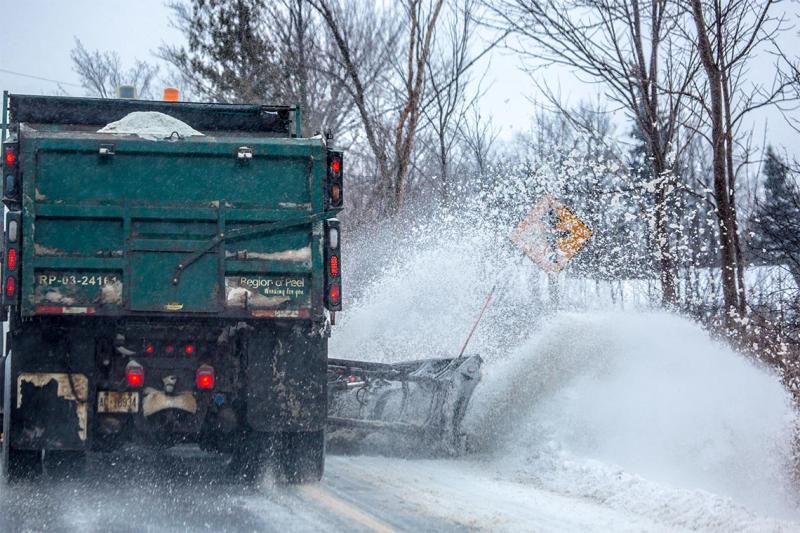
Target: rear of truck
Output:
[(167, 291)]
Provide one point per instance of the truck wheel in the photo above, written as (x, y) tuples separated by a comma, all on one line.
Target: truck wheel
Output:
[(21, 464), (248, 460), (63, 464), (302, 456)]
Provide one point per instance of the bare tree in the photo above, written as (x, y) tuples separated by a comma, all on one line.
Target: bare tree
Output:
[(789, 72), (446, 100), (304, 55), (721, 185), (420, 42), (365, 42), (420, 18), (631, 47), (479, 136), (727, 37), (260, 51), (101, 73)]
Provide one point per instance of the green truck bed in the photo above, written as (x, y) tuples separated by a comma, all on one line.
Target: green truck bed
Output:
[(118, 225)]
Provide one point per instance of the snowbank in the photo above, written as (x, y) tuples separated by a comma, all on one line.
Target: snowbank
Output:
[(150, 125), (644, 411)]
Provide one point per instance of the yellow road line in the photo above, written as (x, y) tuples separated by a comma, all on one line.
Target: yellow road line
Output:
[(344, 509)]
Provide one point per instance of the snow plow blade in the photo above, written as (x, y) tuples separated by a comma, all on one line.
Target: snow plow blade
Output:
[(418, 403)]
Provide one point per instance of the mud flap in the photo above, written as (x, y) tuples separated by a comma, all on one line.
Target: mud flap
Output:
[(50, 410), (286, 380), (6, 412)]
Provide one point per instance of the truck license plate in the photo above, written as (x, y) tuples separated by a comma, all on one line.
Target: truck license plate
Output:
[(117, 402)]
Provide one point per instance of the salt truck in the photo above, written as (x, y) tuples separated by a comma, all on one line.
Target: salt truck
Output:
[(171, 271)]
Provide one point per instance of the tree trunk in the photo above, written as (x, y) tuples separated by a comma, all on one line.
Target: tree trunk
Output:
[(666, 262), (721, 193), (651, 129), (405, 133), (740, 288), (358, 93), (444, 176), (301, 59)]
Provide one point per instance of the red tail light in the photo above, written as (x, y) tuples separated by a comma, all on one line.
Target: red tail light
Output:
[(149, 348), (334, 266), (204, 378), (334, 294), (189, 349), (11, 258), (11, 286), (335, 180), (336, 165), (134, 375)]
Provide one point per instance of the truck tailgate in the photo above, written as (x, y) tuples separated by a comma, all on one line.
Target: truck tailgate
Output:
[(110, 231)]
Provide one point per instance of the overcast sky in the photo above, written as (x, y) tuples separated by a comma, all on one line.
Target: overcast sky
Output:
[(37, 36)]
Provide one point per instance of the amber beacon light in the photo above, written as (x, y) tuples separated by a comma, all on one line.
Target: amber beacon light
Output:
[(171, 94)]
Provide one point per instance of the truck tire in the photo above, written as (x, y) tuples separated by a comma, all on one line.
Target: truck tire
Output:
[(65, 464), (21, 464), (302, 456)]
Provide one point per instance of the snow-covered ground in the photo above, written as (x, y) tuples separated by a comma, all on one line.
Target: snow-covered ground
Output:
[(184, 491), (766, 284)]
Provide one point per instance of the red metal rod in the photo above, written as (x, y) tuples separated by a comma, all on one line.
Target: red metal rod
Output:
[(480, 317)]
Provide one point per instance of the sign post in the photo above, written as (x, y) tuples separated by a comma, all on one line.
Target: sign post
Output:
[(551, 235)]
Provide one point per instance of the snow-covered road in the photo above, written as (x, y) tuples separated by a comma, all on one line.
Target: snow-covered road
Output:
[(185, 490), (465, 495)]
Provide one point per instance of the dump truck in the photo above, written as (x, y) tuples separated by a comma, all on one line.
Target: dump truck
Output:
[(167, 290), (171, 271)]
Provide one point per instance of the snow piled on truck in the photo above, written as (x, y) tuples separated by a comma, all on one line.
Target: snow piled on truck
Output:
[(150, 125)]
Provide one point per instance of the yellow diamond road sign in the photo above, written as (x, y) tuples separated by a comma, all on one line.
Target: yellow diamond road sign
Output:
[(551, 234)]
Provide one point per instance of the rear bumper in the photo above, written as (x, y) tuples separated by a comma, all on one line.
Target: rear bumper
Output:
[(267, 379)]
